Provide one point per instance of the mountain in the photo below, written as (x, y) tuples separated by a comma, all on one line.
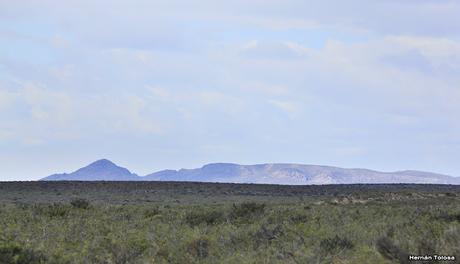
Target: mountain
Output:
[(274, 173), (101, 170), (296, 174)]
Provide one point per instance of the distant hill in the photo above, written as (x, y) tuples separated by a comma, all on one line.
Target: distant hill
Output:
[(296, 174), (101, 170), (274, 173)]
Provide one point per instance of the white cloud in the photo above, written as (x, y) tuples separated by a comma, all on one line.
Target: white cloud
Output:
[(60, 42), (349, 151), (217, 101), (158, 91), (423, 17), (62, 73), (266, 88), (134, 116), (54, 115), (289, 107), (6, 98), (46, 105), (274, 50), (168, 69)]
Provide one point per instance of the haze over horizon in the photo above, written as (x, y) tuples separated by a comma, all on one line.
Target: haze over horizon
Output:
[(155, 85)]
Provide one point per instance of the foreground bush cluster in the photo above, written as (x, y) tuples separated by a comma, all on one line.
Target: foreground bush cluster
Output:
[(323, 229)]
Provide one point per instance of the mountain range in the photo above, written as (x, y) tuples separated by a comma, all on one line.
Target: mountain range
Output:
[(272, 173)]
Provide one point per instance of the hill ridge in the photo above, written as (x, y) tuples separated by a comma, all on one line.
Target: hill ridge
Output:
[(266, 173)]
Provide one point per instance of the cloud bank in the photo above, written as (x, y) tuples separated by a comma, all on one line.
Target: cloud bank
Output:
[(347, 83)]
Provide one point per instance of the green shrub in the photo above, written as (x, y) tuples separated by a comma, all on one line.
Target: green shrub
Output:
[(335, 245), (12, 253), (247, 209), (297, 218), (198, 248), (450, 242), (52, 210), (426, 246), (266, 235), (209, 217), (58, 210), (151, 212), (129, 249), (80, 203), (449, 216), (390, 251)]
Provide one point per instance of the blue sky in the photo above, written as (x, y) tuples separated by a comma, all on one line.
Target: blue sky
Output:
[(172, 84)]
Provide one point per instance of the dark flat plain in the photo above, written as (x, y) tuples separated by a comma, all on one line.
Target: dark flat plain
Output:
[(195, 192)]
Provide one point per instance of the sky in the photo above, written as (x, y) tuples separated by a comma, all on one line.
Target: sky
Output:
[(155, 85)]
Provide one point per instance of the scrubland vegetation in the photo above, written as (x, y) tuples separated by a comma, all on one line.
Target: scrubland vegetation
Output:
[(127, 222)]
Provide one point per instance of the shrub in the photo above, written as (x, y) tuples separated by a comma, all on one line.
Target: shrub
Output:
[(450, 242), (335, 245), (80, 203), (58, 210), (426, 246), (52, 210), (129, 249), (199, 248), (265, 235), (151, 212), (211, 217), (15, 254), (297, 218), (390, 251), (452, 235), (449, 216), (248, 209)]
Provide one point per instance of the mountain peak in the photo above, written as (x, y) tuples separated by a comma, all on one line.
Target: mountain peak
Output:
[(103, 163), (101, 170)]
